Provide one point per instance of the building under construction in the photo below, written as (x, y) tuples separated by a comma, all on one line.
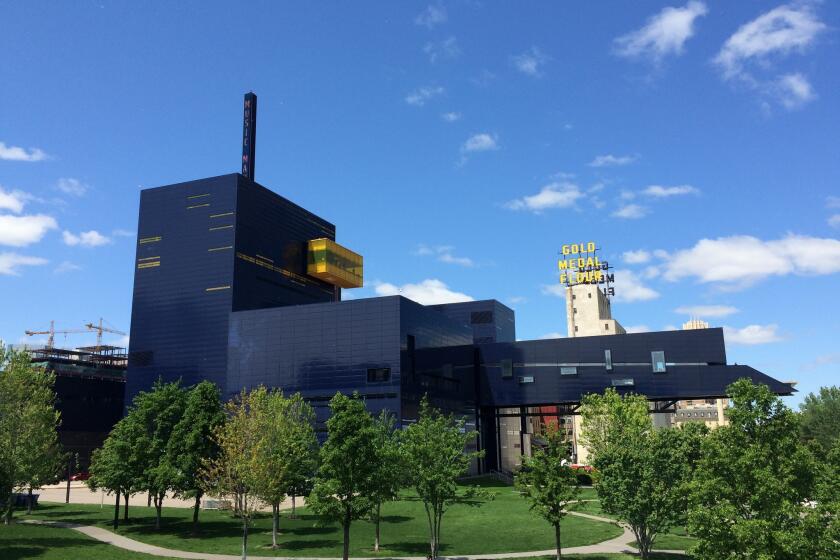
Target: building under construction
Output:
[(89, 387)]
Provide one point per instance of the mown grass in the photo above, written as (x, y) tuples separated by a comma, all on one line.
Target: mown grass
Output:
[(471, 526), (19, 541)]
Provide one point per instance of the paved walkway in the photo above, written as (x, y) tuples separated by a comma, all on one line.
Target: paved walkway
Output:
[(616, 545)]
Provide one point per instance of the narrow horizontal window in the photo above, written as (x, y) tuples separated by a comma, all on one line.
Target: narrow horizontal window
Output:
[(210, 250), (144, 240), (568, 371), (221, 215), (219, 227), (197, 196), (197, 206), (526, 379), (217, 288), (626, 382)]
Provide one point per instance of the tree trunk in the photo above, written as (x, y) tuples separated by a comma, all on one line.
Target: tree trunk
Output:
[(125, 507), (346, 527), (275, 524), (557, 540), (376, 537), (7, 515), (158, 507), (293, 516), (195, 512), (117, 511), (149, 498), (29, 501), (244, 537)]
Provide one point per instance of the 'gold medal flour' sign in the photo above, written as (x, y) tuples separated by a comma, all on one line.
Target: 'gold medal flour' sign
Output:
[(580, 265)]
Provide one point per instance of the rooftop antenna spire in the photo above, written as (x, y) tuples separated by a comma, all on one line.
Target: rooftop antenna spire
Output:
[(249, 135)]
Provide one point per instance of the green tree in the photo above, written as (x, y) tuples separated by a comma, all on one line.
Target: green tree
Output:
[(609, 418), (548, 481), (192, 442), (390, 476), (286, 440), (28, 426), (435, 448), (821, 418), (155, 414), (756, 484), (645, 481), (343, 485), (231, 473), (113, 467)]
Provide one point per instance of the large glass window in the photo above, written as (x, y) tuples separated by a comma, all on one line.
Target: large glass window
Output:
[(657, 360)]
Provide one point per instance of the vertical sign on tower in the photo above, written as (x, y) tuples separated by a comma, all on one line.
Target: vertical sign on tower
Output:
[(249, 135)]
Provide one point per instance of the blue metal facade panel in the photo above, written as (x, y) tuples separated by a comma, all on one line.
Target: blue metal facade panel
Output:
[(178, 327), (490, 320)]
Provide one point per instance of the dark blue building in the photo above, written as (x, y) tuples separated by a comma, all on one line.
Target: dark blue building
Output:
[(236, 284)]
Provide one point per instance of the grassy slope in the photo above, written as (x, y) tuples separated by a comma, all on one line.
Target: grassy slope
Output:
[(53, 543), (502, 525)]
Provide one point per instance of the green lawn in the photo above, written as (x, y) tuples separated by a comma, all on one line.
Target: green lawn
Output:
[(503, 524), (20, 541)]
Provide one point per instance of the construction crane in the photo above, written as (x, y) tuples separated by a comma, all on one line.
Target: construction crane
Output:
[(101, 329), (52, 332)]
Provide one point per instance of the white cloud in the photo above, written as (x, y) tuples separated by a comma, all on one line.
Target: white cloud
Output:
[(636, 257), (629, 288), (834, 221), (782, 30), (122, 233), (706, 310), (740, 261), (452, 259), (14, 153), (551, 335), (553, 195), (12, 200), (446, 49), (451, 116), (20, 231), (556, 290), (637, 329), (514, 300), (658, 191), (530, 62), (66, 266), (428, 292), (445, 254), (609, 160), (71, 186), (631, 212), (665, 33), (832, 202), (794, 90), (10, 263), (420, 96), (482, 142), (90, 238), (752, 334), (431, 16)]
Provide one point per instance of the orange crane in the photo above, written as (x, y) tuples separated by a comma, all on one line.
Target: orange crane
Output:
[(52, 332), (101, 329)]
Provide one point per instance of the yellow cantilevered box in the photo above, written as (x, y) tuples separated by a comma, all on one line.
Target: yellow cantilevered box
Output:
[(330, 262)]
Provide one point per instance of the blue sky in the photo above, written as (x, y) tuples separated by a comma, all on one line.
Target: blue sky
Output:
[(455, 145)]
